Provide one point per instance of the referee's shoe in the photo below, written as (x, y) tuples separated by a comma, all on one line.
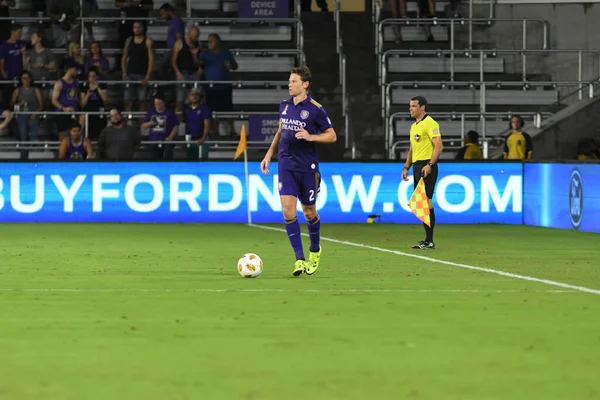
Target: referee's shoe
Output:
[(424, 245)]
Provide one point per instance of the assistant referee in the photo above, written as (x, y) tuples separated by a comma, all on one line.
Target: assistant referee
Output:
[(425, 149)]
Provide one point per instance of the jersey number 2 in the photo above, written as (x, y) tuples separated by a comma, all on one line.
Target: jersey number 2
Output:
[(312, 195)]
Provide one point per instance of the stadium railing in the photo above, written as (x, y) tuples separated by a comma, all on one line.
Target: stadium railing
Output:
[(484, 55), (251, 93), (455, 125), (377, 6), (384, 28), (297, 26), (219, 149), (476, 94), (342, 73)]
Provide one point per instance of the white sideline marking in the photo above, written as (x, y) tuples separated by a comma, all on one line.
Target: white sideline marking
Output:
[(95, 290), (472, 267)]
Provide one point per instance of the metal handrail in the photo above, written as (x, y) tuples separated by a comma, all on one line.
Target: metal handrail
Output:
[(482, 86), (482, 117), (484, 142), (462, 21), (212, 144), (382, 70), (196, 21), (376, 9), (156, 83), (336, 18)]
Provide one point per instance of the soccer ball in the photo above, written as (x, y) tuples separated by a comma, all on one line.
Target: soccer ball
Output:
[(250, 265)]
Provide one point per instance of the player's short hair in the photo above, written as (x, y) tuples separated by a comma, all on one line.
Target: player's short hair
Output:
[(473, 136), (421, 100), (167, 7), (15, 27), (75, 125), (304, 74)]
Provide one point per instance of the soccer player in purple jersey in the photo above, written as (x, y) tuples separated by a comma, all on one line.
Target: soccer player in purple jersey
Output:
[(302, 123)]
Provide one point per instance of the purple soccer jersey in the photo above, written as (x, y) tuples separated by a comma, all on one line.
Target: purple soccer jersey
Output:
[(298, 160), (165, 122)]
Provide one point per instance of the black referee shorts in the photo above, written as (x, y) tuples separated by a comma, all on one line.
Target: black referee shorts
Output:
[(431, 179)]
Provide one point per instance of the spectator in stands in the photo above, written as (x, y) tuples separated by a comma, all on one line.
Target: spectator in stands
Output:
[(518, 144), (90, 7), (185, 62), (217, 64), (5, 13), (471, 150), (12, 54), (27, 98), (426, 10), (137, 65), (75, 146), (39, 60), (588, 149), (163, 124), (65, 98), (93, 99), (96, 59), (306, 5), (131, 9), (75, 57), (65, 27), (5, 118), (118, 142), (175, 32), (197, 124)]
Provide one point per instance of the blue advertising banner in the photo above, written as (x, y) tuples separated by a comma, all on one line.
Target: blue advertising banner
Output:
[(262, 128), (565, 196), (263, 8), (216, 192)]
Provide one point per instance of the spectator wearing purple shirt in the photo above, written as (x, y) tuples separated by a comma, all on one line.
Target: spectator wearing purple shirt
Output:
[(162, 123), (95, 58), (175, 32), (12, 53)]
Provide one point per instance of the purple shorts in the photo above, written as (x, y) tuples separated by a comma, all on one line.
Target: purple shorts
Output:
[(302, 185)]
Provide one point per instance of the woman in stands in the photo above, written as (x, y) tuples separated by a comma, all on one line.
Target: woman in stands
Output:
[(93, 99), (27, 98), (96, 59), (75, 57)]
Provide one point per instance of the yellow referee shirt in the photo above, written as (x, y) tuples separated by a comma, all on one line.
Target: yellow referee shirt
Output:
[(421, 135)]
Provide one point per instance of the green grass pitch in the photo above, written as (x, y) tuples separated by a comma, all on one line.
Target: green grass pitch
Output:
[(110, 311)]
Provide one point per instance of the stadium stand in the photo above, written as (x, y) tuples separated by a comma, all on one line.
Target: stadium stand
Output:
[(470, 83), (264, 50)]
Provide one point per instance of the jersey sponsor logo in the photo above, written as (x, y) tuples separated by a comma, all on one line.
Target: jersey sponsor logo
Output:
[(292, 124), (71, 93), (576, 198), (161, 121), (304, 114)]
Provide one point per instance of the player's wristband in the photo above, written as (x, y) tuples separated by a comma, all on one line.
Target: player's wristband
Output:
[(430, 164), (405, 168)]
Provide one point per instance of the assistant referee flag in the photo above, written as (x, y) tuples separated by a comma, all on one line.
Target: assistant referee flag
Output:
[(419, 204)]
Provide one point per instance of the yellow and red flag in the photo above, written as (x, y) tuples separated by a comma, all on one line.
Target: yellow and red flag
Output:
[(419, 204), (243, 143)]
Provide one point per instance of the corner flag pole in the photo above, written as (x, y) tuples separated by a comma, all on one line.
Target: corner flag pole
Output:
[(247, 185), (243, 148)]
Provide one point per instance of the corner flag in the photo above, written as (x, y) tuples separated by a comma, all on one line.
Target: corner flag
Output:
[(418, 203), (242, 145)]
